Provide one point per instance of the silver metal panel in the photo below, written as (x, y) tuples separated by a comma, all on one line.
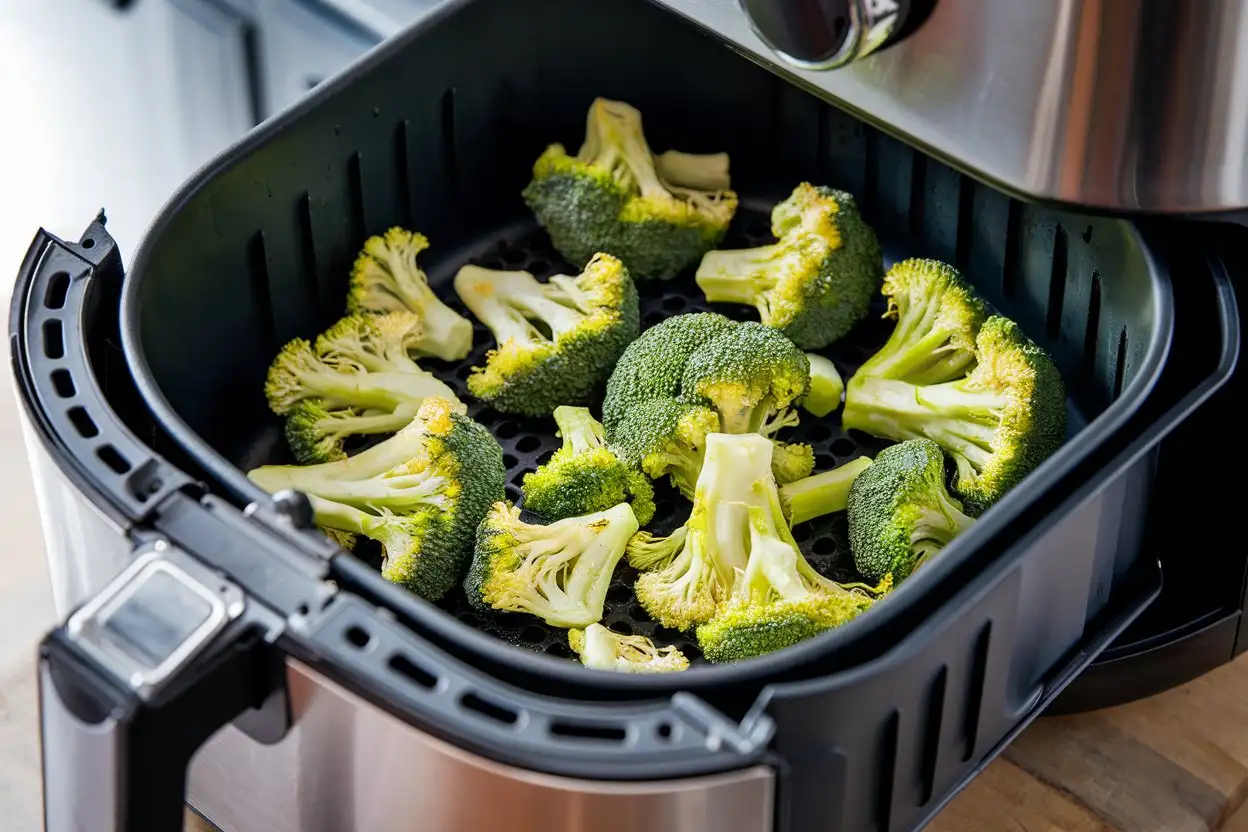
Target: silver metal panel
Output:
[(346, 765), (79, 781), (1125, 104)]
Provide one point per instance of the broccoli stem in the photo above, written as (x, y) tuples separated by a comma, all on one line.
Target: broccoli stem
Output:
[(962, 420), (401, 448), (381, 391), (936, 528), (615, 139), (821, 494), (704, 172), (579, 429), (398, 493), (826, 386), (558, 317), (738, 275), (351, 425)]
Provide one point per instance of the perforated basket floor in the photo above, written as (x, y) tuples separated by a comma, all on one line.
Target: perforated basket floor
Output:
[(527, 443)]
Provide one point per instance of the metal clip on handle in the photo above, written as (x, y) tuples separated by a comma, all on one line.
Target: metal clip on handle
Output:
[(826, 34)]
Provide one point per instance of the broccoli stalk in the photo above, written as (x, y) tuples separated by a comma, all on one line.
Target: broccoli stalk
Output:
[(701, 171), (386, 278), (602, 649), (559, 572), (826, 387), (820, 494)]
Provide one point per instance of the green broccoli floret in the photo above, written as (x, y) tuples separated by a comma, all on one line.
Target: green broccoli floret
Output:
[(900, 513), (816, 283), (665, 437), (421, 494), (826, 387), (999, 422), (820, 494), (748, 374), (791, 461), (557, 341), (385, 278), (646, 552), (654, 364), (585, 475), (938, 317), (356, 380), (658, 215), (559, 572), (602, 649)]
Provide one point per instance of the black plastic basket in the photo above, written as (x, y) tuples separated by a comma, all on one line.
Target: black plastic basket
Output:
[(876, 723)]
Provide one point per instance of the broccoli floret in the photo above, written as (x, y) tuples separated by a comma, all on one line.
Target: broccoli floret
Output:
[(559, 572), (386, 278), (665, 437), (826, 387), (602, 649), (653, 364), (999, 422), (813, 285), (557, 341), (646, 552), (657, 215), (822, 493), (585, 475), (421, 494), (748, 374), (356, 380), (791, 461), (900, 513), (938, 317)]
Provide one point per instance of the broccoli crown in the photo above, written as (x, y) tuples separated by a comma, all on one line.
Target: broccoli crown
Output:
[(748, 374), (557, 341), (558, 572), (585, 476), (999, 422), (421, 493), (654, 364), (938, 317), (666, 437), (386, 278), (816, 282), (602, 649), (658, 215), (899, 511)]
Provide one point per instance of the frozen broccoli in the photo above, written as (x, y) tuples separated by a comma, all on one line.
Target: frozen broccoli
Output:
[(826, 387), (816, 282), (585, 475), (823, 493), (559, 572), (385, 278), (602, 649), (421, 494), (658, 215), (557, 341), (900, 513), (998, 422), (356, 380)]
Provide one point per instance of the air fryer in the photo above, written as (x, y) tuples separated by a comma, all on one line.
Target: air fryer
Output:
[(217, 649)]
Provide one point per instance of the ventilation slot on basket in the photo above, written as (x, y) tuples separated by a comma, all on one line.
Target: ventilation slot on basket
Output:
[(1012, 263), (931, 735), (582, 731), (1057, 283), (307, 253), (918, 201), (355, 188), (498, 713), (449, 161), (966, 221), (887, 770), (403, 174), (1092, 334), (58, 290), (1120, 366), (63, 384), (83, 423), (258, 273), (405, 667), (111, 457), (53, 340), (975, 692)]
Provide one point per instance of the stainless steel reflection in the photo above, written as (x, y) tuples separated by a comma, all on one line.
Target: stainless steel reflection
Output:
[(346, 765), (1123, 104)]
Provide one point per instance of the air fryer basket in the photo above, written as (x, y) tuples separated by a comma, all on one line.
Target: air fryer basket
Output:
[(438, 132)]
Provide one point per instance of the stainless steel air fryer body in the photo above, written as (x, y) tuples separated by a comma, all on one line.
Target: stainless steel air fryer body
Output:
[(287, 688)]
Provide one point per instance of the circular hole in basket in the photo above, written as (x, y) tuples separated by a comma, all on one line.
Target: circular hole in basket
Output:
[(620, 594), (624, 628), (513, 493), (819, 432), (801, 532), (533, 635), (506, 430), (844, 447), (824, 461), (88, 243), (558, 648), (528, 443), (824, 546), (663, 730), (510, 461)]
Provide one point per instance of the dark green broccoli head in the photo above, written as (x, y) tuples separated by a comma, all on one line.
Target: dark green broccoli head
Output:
[(743, 630), (817, 282), (586, 322), (658, 215), (653, 364), (585, 476), (899, 511), (748, 374)]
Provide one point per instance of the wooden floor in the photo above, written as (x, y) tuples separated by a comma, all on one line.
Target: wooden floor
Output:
[(1175, 763)]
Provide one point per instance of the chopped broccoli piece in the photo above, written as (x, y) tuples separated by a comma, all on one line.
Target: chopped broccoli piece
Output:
[(356, 380), (559, 572), (385, 278), (938, 317), (646, 551), (826, 387), (657, 215), (421, 494), (557, 341), (665, 437), (791, 461), (749, 374), (820, 494), (813, 285), (602, 649), (585, 475), (900, 513), (999, 422)]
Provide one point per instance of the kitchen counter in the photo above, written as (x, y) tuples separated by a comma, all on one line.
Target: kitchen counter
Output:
[(1177, 762)]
